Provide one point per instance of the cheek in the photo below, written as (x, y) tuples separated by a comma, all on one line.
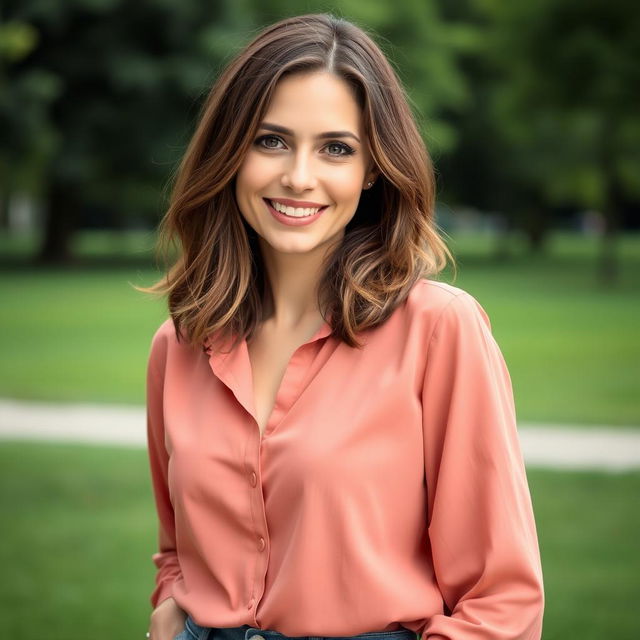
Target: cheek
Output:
[(252, 175), (347, 186)]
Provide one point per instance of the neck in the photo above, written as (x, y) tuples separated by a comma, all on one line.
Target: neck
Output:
[(293, 280)]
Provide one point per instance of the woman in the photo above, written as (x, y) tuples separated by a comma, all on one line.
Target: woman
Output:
[(331, 431)]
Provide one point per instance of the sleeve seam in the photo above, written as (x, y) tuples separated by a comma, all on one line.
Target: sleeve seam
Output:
[(436, 325)]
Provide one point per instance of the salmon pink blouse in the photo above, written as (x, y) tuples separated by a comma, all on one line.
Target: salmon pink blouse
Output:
[(388, 489)]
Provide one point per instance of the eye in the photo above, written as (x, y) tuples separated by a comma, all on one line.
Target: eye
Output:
[(262, 139), (345, 148), (270, 141)]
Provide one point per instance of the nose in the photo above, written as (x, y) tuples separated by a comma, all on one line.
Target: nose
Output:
[(298, 174)]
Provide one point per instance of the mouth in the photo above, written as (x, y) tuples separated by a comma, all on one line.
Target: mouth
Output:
[(291, 212)]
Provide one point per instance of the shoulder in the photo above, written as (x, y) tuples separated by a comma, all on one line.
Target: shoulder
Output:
[(433, 300), (438, 305), (164, 332), (161, 339), (434, 293)]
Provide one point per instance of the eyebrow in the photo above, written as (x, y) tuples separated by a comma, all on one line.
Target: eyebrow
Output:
[(327, 134)]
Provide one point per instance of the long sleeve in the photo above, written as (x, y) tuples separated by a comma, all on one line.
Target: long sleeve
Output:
[(166, 559), (481, 526)]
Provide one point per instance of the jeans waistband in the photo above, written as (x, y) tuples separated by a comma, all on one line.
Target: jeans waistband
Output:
[(247, 632)]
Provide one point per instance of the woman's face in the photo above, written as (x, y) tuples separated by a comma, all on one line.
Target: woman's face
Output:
[(309, 152)]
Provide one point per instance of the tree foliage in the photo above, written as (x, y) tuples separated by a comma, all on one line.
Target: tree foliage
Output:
[(526, 107)]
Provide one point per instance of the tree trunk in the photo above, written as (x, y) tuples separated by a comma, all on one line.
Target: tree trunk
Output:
[(608, 272), (61, 218), (502, 246), (536, 227), (608, 267)]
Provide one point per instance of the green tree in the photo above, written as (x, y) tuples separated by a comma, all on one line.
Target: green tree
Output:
[(28, 138), (108, 91), (113, 90), (567, 96)]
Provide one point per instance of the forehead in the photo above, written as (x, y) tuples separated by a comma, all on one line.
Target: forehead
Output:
[(314, 101)]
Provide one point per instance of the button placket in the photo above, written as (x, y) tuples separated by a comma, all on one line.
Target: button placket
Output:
[(234, 370), (260, 532)]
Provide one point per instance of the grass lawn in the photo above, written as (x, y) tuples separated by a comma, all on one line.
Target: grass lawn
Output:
[(572, 346), (79, 531)]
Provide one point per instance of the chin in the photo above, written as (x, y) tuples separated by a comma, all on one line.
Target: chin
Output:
[(297, 245)]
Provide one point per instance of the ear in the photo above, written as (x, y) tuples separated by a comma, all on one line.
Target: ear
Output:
[(370, 179)]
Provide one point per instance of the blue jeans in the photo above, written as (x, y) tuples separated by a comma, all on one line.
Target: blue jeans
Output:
[(194, 631)]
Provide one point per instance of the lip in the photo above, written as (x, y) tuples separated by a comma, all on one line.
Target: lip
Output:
[(290, 221), (303, 204)]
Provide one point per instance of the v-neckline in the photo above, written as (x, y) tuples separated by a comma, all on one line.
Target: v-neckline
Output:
[(233, 368)]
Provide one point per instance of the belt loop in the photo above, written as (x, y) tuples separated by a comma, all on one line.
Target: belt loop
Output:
[(248, 630)]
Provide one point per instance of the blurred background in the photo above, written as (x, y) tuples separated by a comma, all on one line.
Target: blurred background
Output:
[(530, 111)]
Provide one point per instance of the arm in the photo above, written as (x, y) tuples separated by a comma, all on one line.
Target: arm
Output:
[(166, 559), (480, 518)]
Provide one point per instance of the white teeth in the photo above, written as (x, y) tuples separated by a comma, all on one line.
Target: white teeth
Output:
[(290, 211)]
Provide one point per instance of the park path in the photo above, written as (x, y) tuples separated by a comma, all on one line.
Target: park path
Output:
[(555, 446)]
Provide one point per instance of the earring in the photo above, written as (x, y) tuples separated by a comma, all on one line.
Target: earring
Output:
[(369, 184)]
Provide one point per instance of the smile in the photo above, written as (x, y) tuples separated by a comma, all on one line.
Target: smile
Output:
[(294, 217), (298, 212)]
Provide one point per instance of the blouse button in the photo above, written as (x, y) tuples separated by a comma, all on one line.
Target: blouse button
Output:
[(254, 479), (261, 543)]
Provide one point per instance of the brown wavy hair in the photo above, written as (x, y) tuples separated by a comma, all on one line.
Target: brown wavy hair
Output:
[(217, 282)]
